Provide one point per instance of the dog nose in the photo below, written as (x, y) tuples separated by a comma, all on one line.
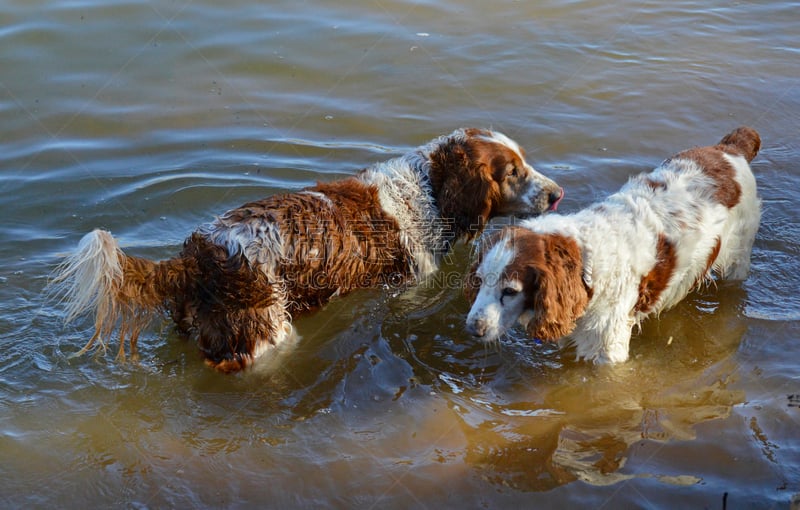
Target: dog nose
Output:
[(554, 198), (477, 328)]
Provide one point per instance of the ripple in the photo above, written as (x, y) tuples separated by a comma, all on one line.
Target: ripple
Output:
[(150, 118)]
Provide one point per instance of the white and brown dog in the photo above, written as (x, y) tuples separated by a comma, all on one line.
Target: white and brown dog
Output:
[(239, 279), (587, 278)]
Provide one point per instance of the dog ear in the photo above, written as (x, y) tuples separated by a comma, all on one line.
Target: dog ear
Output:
[(556, 292), (464, 187)]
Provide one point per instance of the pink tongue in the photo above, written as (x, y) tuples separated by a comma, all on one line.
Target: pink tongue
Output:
[(554, 205)]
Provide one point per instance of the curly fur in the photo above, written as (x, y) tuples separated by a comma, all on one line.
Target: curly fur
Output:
[(240, 279)]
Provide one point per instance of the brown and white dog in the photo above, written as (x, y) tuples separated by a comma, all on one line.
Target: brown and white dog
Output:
[(589, 277), (239, 279)]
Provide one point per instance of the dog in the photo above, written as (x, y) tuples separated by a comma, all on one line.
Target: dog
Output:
[(587, 278), (240, 279)]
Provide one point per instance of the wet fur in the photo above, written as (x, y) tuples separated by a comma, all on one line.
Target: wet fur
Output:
[(589, 277), (240, 279)]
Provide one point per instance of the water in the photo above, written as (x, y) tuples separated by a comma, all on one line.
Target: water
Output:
[(149, 118)]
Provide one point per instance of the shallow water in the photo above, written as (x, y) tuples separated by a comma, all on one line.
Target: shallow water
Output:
[(150, 118)]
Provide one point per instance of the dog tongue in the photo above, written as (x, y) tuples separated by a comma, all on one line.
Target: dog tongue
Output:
[(554, 205)]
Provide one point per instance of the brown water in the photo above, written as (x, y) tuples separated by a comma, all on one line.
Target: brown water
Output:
[(149, 118)]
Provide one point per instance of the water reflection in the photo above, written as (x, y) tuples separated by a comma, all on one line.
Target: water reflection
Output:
[(533, 419), (185, 111)]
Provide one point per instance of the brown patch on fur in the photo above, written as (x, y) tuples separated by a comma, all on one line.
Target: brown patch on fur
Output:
[(229, 306), (710, 159), (655, 185), (466, 178), (743, 141), (142, 292), (228, 300), (705, 276), (653, 283), (330, 247), (354, 245), (550, 268)]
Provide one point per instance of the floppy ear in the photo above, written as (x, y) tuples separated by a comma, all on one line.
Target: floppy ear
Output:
[(556, 292), (464, 188)]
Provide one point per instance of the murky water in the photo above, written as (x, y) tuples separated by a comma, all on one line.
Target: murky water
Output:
[(149, 118)]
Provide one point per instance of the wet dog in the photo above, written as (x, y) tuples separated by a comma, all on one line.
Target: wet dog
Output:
[(589, 277), (240, 279)]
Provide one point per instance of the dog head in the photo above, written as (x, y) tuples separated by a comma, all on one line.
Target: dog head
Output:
[(479, 174), (526, 277)]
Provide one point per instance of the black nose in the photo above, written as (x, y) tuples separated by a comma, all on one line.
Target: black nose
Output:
[(477, 328)]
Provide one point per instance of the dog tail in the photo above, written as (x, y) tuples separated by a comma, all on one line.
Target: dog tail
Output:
[(745, 140), (121, 290)]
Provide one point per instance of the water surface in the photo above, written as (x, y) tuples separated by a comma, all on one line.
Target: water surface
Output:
[(148, 118)]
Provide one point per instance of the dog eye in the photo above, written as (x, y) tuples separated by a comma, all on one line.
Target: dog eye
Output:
[(508, 291)]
